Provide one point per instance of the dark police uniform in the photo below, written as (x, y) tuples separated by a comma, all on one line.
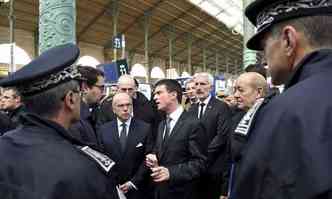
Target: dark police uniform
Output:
[(288, 154), (42, 160), (5, 123)]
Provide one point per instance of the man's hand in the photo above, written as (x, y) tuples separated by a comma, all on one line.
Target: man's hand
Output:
[(160, 174), (223, 197), (125, 187), (151, 160)]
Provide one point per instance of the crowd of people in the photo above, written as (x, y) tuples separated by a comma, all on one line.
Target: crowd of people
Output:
[(176, 145), (62, 137)]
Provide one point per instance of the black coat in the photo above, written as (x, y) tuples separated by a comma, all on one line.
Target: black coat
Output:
[(215, 120), (84, 129), (288, 154), (15, 115), (130, 163), (41, 160), (5, 124), (220, 157), (184, 154), (143, 109)]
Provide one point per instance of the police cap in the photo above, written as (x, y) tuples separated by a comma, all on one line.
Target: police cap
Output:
[(53, 67), (265, 13)]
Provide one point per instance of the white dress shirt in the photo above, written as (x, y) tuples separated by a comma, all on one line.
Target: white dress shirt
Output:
[(119, 122), (120, 126), (206, 101), (175, 115)]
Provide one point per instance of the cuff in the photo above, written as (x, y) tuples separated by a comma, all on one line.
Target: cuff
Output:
[(131, 184)]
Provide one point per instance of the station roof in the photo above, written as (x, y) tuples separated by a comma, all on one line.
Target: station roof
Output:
[(182, 18)]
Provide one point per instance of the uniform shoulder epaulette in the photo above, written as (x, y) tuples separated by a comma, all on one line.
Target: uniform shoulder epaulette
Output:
[(101, 159)]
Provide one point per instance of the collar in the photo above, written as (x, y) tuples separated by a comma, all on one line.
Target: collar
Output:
[(119, 122), (314, 62), (175, 115), (206, 101), (85, 111), (31, 119)]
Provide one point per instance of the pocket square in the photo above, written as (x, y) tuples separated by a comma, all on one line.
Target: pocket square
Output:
[(139, 145)]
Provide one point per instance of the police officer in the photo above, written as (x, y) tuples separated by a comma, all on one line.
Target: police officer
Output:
[(42, 159), (289, 149)]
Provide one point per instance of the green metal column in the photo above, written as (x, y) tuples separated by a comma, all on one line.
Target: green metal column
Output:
[(169, 32), (189, 43), (204, 59), (115, 15), (11, 18), (130, 59), (170, 51), (249, 56), (227, 65), (217, 63), (147, 20), (57, 22)]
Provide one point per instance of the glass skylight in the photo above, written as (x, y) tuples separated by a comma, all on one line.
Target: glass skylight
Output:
[(229, 12)]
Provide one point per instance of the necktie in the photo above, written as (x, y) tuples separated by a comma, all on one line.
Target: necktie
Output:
[(167, 128), (201, 110), (123, 136)]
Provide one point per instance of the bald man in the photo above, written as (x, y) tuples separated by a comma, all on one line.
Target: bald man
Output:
[(143, 109), (126, 140), (249, 87)]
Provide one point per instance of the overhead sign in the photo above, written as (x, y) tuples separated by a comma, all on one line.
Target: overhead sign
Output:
[(114, 70), (117, 42), (122, 66)]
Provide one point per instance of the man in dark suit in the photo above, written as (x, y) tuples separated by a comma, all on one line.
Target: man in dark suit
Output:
[(93, 89), (126, 141), (180, 152), (142, 108), (249, 89), (214, 114)]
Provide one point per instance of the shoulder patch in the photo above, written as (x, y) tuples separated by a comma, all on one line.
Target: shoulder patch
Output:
[(101, 159), (244, 125)]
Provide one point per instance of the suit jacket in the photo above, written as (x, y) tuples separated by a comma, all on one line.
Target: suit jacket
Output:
[(5, 124), (184, 154), (129, 163), (216, 122), (215, 118), (143, 109)]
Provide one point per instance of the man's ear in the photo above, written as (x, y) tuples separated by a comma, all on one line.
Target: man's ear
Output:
[(259, 93), (69, 100), (289, 39), (18, 99), (174, 94)]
